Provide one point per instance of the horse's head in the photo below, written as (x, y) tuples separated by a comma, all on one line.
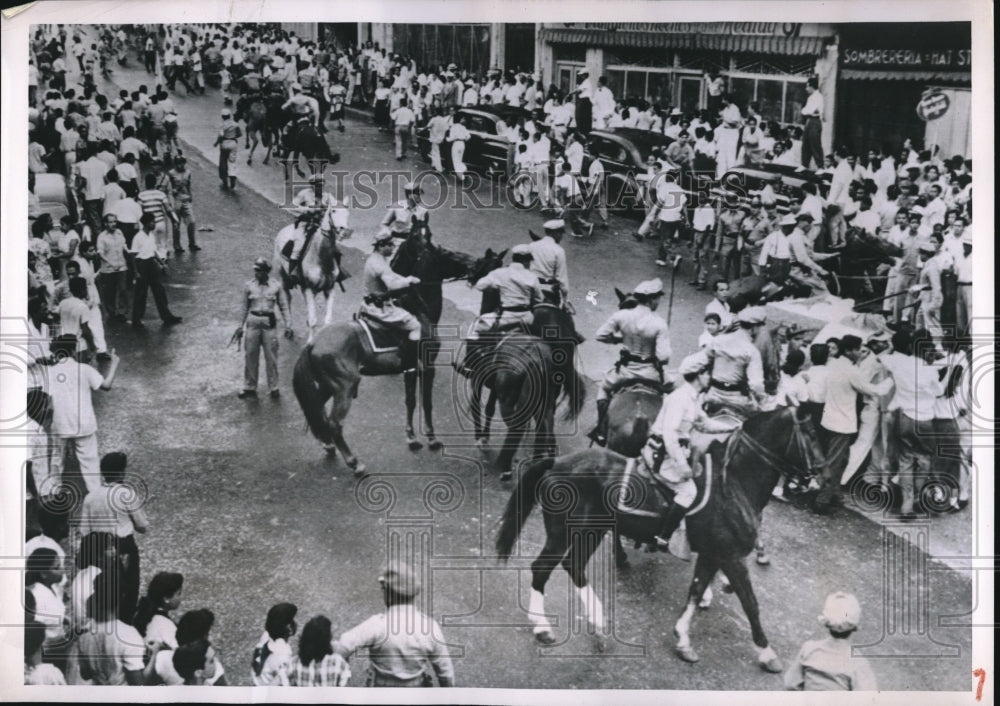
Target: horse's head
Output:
[(790, 436), (310, 220), (420, 230), (625, 301), (486, 264)]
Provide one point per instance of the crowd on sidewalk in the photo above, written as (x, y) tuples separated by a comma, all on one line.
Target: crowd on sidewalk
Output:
[(110, 197)]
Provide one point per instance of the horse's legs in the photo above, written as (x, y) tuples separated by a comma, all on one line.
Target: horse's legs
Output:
[(295, 161), (288, 303), (475, 409), (704, 569), (621, 558), (491, 409), (252, 148), (515, 434), (583, 544), (427, 396), (310, 296), (341, 405), (328, 317), (541, 568), (410, 383), (739, 577)]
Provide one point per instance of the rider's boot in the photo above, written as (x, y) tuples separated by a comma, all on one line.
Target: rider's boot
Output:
[(599, 434), (409, 354), (671, 521)]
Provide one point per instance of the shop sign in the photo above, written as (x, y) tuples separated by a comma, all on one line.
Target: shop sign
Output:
[(918, 60), (746, 29), (933, 105)]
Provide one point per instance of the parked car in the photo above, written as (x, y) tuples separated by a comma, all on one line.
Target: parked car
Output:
[(486, 151), (55, 196), (623, 152), (782, 179)]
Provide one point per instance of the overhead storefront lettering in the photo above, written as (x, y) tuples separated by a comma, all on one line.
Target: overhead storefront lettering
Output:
[(906, 59), (748, 29)]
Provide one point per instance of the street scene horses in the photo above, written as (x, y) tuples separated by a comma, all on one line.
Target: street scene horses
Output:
[(591, 488)]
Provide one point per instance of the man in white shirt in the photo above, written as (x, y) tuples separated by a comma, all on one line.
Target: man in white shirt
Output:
[(840, 416), (670, 202), (842, 176), (538, 149), (403, 119), (574, 153), (812, 111), (720, 304), (604, 103), (867, 219), (936, 207)]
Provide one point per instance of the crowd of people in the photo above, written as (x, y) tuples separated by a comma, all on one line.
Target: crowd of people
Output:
[(104, 235)]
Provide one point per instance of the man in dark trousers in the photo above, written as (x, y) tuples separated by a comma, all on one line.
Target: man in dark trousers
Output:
[(149, 267)]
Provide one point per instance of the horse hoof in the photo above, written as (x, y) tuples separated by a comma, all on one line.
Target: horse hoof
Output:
[(249, 162), (330, 450), (360, 470), (600, 644), (763, 560), (727, 588), (545, 637), (506, 476), (688, 654), (482, 443), (265, 162), (773, 665), (434, 444), (414, 444)]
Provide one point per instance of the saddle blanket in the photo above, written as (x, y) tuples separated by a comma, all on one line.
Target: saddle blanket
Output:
[(381, 338)]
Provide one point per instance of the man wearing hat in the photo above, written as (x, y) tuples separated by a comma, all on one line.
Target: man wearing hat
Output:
[(401, 217), (668, 450), (259, 328), (548, 259), (780, 250), (727, 237), (645, 342), (380, 282), (406, 646), (928, 287), (519, 291), (228, 142), (755, 228), (584, 94), (828, 664), (737, 369)]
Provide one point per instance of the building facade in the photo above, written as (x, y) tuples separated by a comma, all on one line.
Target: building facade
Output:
[(886, 70)]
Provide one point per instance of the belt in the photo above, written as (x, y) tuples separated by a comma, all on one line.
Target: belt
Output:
[(727, 386), (964, 284), (262, 313), (516, 309), (731, 235)]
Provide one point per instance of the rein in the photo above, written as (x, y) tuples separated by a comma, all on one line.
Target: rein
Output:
[(797, 438)]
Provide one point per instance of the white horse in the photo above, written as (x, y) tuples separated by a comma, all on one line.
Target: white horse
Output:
[(320, 267)]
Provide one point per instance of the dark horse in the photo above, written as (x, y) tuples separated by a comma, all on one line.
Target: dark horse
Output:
[(252, 109), (307, 141), (856, 267), (580, 495), (528, 374), (331, 367)]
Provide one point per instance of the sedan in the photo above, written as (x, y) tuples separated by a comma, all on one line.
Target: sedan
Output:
[(487, 150)]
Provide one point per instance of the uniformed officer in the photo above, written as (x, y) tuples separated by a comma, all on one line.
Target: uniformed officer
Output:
[(519, 290), (258, 329), (929, 288), (400, 218), (406, 647), (737, 371), (304, 108), (378, 304), (646, 347), (334, 221), (548, 259), (667, 450)]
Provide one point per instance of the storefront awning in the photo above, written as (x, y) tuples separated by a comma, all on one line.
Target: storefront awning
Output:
[(789, 46), (900, 75)]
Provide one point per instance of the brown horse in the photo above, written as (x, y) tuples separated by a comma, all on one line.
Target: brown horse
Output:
[(581, 495), (330, 368)]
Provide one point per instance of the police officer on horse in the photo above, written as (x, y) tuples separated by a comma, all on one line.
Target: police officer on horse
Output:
[(668, 451), (379, 302), (403, 215), (548, 260), (646, 348), (737, 381), (304, 110)]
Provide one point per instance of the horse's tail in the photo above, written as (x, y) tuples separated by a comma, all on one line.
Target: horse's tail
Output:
[(575, 390), (521, 502), (308, 394)]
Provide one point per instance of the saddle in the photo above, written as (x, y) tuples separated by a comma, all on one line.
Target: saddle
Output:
[(660, 388), (381, 343), (642, 493)]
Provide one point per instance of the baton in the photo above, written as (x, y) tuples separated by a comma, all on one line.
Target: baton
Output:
[(882, 299), (673, 276)]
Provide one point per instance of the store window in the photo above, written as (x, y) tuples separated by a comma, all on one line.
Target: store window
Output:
[(657, 87), (778, 99), (795, 100)]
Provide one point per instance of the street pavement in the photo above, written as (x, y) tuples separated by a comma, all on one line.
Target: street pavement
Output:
[(245, 504)]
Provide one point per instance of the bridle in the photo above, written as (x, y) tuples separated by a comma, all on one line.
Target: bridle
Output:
[(797, 440)]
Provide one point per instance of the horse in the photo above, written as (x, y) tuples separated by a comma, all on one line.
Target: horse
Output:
[(331, 366), (252, 109), (528, 375), (307, 141), (420, 257), (319, 270), (581, 496), (856, 266), (275, 119)]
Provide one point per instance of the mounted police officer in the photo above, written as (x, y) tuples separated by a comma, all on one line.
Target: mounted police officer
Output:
[(304, 109), (401, 217), (737, 370), (668, 450), (333, 225), (380, 282), (548, 260), (519, 289), (519, 292), (646, 347)]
